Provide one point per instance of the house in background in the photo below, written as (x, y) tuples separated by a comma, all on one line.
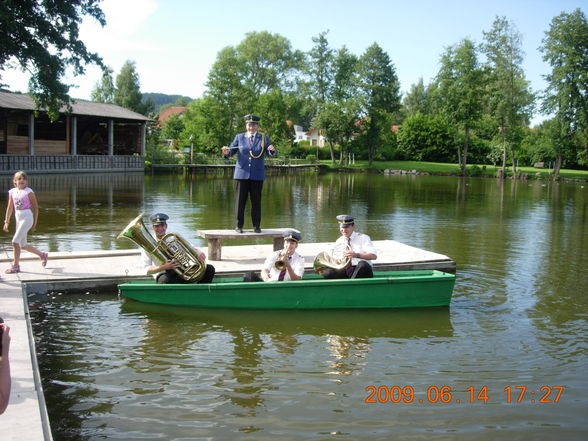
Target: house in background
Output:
[(93, 137), (314, 136), (164, 115)]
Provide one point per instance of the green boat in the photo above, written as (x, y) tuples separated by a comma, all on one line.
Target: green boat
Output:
[(387, 289)]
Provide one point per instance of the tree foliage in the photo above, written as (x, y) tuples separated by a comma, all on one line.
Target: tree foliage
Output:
[(510, 98), (565, 48), (242, 75), (42, 38), (427, 138), (173, 128), (417, 100), (128, 90), (320, 69), (461, 90), (104, 90), (379, 96)]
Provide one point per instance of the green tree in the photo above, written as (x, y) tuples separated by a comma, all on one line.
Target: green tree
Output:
[(226, 89), (460, 88), (338, 123), (268, 62), (274, 107), (345, 95), (565, 48), (128, 89), (510, 98), (337, 110), (320, 69), (42, 38), (345, 80), (173, 128), (417, 100), (201, 123), (426, 138), (104, 90), (380, 96), (182, 101), (242, 74), (540, 144)]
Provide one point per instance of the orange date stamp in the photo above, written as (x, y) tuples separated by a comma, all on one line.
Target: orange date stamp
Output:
[(447, 395)]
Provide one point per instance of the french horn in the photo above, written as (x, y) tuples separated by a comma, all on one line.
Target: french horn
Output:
[(170, 246), (334, 259)]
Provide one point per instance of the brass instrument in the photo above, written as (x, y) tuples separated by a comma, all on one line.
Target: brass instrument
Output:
[(170, 246), (335, 259), (279, 263)]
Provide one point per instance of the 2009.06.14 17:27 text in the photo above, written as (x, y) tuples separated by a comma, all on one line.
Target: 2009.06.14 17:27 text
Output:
[(445, 394)]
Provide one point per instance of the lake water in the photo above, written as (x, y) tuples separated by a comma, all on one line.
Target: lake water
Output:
[(115, 369)]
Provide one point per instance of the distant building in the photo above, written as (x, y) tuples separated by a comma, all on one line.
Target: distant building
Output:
[(314, 136), (164, 115), (94, 136)]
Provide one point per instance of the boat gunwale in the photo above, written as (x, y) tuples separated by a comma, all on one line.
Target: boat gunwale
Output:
[(391, 277)]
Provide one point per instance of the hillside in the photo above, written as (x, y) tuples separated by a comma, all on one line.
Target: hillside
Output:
[(161, 99)]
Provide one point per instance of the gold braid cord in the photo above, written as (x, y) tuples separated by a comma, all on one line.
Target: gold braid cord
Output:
[(262, 148)]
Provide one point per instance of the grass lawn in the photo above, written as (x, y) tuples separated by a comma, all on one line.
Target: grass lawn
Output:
[(453, 169)]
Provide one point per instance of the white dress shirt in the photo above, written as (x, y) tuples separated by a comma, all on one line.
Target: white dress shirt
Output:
[(296, 262), (360, 243)]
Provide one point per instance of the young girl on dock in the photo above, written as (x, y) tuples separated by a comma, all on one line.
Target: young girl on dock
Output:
[(23, 202)]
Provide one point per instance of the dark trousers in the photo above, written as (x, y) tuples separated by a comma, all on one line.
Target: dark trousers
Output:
[(363, 270), (170, 276), (252, 277), (245, 189)]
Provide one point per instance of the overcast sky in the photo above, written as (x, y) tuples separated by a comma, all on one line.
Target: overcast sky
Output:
[(175, 42)]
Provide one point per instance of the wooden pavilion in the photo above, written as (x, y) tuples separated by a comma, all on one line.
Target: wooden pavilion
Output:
[(93, 137)]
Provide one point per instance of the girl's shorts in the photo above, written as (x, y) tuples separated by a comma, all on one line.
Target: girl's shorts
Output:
[(24, 222)]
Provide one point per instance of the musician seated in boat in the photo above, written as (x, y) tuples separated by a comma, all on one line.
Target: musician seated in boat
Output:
[(282, 265), (165, 272), (354, 248)]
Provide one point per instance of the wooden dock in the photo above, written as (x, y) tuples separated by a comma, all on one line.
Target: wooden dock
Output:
[(25, 418)]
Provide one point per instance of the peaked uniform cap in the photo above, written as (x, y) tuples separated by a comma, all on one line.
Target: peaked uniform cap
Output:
[(292, 235), (345, 219), (159, 218), (252, 119)]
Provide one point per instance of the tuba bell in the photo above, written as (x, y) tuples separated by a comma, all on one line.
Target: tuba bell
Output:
[(170, 246), (335, 259)]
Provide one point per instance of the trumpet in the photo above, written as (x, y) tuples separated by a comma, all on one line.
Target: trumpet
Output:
[(279, 264)]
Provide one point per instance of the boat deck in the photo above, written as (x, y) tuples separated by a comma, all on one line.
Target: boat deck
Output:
[(25, 417)]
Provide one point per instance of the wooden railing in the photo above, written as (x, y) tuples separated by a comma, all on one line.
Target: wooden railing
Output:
[(181, 158), (71, 163)]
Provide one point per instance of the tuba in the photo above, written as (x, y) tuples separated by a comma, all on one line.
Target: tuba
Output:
[(170, 246), (335, 259)]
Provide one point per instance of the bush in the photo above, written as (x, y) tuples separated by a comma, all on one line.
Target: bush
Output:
[(474, 170)]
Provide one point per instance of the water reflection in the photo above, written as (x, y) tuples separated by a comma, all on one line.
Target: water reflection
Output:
[(401, 324), (517, 317)]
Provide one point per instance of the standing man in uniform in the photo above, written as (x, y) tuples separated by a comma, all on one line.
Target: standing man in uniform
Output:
[(251, 148)]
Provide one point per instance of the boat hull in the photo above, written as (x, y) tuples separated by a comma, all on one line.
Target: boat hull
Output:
[(393, 289)]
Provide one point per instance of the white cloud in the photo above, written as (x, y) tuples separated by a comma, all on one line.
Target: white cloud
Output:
[(124, 22), (115, 43)]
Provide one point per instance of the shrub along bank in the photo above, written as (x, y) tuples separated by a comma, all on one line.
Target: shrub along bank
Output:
[(438, 168)]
